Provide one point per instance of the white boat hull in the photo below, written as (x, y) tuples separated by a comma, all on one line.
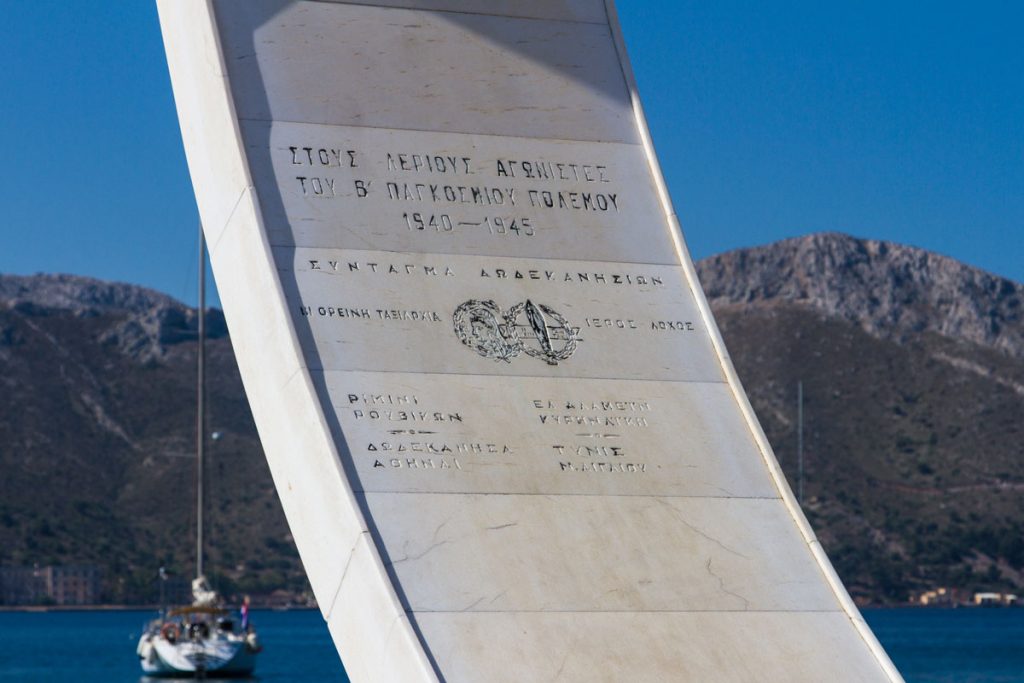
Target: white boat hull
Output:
[(220, 656)]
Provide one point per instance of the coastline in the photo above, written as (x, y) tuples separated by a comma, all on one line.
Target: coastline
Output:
[(130, 608), (308, 608)]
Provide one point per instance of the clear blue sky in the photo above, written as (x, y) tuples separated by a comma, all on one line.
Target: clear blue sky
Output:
[(893, 120)]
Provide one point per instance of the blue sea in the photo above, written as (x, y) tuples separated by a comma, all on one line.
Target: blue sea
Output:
[(934, 646)]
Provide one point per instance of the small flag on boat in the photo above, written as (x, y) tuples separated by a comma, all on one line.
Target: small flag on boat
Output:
[(245, 613)]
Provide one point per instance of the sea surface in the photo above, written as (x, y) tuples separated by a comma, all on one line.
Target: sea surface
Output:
[(961, 645), (967, 645)]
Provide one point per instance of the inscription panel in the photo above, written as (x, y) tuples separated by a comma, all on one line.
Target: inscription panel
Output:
[(435, 433), (366, 188), (302, 61), (386, 311)]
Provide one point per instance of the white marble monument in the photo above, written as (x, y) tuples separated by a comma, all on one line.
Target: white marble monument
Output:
[(507, 436)]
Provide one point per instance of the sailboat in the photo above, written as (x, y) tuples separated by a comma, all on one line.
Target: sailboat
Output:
[(200, 639)]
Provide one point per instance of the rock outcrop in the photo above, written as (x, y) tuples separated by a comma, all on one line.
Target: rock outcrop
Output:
[(890, 290)]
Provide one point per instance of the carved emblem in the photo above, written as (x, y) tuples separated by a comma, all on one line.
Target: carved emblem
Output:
[(534, 329)]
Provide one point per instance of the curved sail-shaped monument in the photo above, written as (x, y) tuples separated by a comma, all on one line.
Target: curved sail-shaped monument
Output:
[(507, 436)]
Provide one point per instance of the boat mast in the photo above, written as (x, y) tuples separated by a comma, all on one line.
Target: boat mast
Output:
[(200, 402)]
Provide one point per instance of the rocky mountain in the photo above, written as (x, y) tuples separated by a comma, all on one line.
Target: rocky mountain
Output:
[(892, 292), (97, 426), (149, 322), (912, 367)]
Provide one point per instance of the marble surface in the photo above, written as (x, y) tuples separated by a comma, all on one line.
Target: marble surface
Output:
[(592, 11), (651, 647), (505, 432), (366, 65)]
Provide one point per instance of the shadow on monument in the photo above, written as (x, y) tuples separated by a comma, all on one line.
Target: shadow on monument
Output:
[(443, 71)]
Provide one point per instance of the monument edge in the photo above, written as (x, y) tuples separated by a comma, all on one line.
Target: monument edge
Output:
[(767, 452), (194, 73)]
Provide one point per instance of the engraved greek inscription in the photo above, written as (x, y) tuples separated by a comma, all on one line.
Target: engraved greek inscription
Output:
[(513, 196), (322, 156), (321, 188), (434, 223), (341, 312), (410, 316), (314, 157), (593, 406), (384, 399), (399, 269), (579, 201), (604, 467), (547, 170), (439, 448), (593, 420), (674, 325), (579, 278), (430, 163), (419, 463), (390, 314), (593, 414), (501, 225), (405, 416), (592, 451), (451, 194), (612, 323)]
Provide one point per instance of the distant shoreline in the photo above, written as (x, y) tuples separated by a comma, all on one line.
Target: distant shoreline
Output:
[(128, 608), (305, 608)]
